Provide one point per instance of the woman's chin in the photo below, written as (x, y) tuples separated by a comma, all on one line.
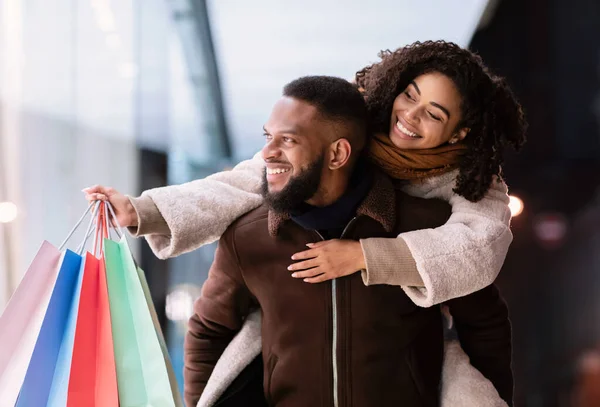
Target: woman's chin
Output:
[(403, 143)]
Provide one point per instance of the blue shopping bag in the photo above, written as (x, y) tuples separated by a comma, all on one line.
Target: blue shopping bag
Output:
[(40, 373), (62, 372)]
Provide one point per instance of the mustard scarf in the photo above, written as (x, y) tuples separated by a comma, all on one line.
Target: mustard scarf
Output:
[(415, 164)]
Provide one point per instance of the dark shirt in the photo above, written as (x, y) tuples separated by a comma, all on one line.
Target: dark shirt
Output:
[(331, 220)]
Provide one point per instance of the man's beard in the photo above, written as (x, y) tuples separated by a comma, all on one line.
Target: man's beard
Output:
[(298, 189)]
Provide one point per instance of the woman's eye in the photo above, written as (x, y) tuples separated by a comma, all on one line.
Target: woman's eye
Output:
[(408, 95), (267, 136), (434, 117)]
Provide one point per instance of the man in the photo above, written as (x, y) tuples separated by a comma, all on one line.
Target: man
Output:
[(338, 343)]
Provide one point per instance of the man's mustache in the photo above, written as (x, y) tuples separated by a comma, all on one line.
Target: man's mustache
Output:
[(275, 162)]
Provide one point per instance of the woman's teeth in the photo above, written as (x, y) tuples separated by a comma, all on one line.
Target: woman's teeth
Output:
[(276, 171), (406, 131)]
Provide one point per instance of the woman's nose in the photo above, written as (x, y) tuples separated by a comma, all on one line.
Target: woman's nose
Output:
[(412, 115)]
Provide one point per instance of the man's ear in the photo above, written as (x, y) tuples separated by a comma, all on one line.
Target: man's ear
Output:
[(339, 154)]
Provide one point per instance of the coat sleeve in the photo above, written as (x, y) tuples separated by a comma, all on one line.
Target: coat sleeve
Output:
[(180, 218), (484, 331), (456, 259), (219, 314)]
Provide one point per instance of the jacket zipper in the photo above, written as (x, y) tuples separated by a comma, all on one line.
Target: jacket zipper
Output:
[(335, 326)]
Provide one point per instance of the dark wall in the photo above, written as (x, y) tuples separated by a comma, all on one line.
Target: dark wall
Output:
[(550, 53)]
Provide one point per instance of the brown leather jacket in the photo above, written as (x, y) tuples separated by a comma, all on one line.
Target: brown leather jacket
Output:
[(339, 343)]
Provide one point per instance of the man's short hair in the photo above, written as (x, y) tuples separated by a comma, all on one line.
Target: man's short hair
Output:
[(336, 99)]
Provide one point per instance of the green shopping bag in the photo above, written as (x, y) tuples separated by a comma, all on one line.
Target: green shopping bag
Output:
[(142, 369), (161, 339)]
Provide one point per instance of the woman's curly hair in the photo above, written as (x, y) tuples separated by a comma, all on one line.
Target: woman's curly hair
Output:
[(489, 107)]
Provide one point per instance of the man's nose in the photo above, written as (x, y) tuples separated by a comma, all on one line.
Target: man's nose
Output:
[(270, 150)]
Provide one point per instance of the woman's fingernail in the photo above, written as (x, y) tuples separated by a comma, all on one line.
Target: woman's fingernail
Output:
[(289, 267), (294, 257), (310, 244), (293, 274)]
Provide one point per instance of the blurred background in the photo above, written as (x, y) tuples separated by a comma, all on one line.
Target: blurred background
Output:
[(137, 94)]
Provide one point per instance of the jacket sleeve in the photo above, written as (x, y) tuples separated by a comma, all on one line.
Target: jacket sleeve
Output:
[(180, 218), (484, 331), (219, 313), (458, 258)]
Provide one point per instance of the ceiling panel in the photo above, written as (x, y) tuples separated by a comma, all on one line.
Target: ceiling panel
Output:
[(263, 44)]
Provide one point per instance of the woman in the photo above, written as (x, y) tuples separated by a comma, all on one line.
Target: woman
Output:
[(440, 122), (422, 140)]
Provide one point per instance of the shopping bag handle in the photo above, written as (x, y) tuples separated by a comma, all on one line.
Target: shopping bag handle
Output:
[(118, 229), (80, 249), (95, 206), (101, 230)]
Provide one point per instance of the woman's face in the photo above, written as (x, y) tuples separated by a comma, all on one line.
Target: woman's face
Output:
[(426, 113)]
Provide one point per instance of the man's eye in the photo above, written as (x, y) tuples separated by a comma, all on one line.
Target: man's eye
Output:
[(267, 136), (288, 140)]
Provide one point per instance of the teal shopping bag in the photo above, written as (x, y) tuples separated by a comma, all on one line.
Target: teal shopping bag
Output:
[(161, 338), (142, 372)]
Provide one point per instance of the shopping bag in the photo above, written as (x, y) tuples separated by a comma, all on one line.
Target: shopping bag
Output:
[(161, 339), (142, 374), (93, 380), (40, 373), (60, 382), (22, 320)]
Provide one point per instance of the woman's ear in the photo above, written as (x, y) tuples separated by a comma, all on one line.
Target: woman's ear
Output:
[(459, 135), (339, 154)]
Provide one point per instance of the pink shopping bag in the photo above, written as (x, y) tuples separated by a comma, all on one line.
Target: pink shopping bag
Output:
[(22, 319)]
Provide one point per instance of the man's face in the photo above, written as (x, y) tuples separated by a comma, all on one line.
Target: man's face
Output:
[(294, 153)]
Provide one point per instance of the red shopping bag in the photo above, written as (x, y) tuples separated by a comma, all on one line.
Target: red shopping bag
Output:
[(93, 379)]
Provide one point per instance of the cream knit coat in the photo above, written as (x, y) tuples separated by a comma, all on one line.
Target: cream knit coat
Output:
[(432, 266)]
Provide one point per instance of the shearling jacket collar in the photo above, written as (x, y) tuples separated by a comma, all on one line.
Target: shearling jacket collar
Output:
[(379, 204)]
